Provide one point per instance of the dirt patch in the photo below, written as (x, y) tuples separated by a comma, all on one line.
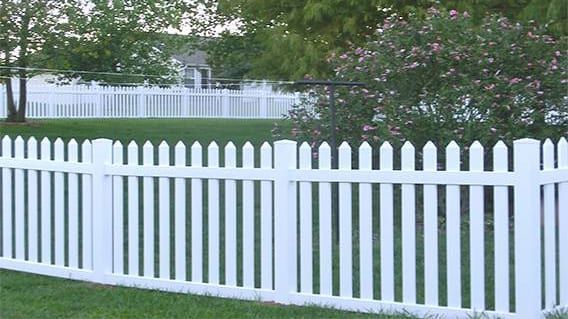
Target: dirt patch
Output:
[(26, 123)]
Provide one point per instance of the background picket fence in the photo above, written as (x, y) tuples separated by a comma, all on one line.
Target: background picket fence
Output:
[(92, 101), (258, 224)]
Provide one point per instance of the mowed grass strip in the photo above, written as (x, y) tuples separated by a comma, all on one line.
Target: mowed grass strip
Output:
[(33, 296)]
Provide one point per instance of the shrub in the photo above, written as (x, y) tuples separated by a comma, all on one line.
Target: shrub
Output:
[(443, 78)]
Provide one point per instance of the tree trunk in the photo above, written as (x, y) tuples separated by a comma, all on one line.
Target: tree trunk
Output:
[(21, 115), (10, 107), (12, 112)]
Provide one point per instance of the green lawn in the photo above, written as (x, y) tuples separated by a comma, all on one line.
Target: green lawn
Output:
[(155, 130), (32, 296)]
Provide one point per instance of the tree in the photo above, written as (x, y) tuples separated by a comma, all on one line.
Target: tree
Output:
[(301, 35), (97, 35), (26, 27), (126, 37)]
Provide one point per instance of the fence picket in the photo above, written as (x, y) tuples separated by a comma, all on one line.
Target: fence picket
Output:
[(549, 229), (408, 227), (430, 228), (32, 203), (73, 206), (196, 217), (148, 218), (365, 225), (45, 204), (501, 230), (180, 216), (7, 200), (345, 229), (325, 264), (58, 206), (306, 271), (386, 228), (117, 211), (19, 201), (562, 151), (248, 219), (164, 212), (133, 213), (230, 219), (86, 157), (266, 220), (476, 231), (453, 234), (213, 220)]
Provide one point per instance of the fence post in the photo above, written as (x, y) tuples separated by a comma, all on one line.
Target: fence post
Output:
[(102, 210), (527, 228), (285, 268), (225, 103)]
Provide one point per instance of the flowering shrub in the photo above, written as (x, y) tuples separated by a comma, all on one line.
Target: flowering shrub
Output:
[(444, 78)]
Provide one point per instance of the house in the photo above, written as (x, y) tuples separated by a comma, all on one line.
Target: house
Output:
[(194, 70)]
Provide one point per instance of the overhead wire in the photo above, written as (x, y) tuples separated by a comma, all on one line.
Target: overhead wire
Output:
[(48, 70)]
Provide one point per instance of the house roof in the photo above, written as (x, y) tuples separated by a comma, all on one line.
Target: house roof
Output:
[(195, 58)]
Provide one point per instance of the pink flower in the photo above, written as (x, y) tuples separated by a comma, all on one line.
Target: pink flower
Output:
[(413, 65), (436, 47), (466, 14), (367, 128), (453, 13), (515, 80)]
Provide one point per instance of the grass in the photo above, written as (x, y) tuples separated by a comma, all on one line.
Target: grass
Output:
[(155, 130), (33, 296)]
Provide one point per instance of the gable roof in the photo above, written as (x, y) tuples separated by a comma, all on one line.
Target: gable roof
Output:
[(195, 58)]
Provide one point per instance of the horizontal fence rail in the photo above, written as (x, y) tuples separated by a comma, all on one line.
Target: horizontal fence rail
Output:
[(441, 231), (93, 101)]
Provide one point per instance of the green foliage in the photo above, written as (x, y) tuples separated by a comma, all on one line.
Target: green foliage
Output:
[(121, 37), (443, 78), (301, 34), (27, 28), (231, 55), (95, 35)]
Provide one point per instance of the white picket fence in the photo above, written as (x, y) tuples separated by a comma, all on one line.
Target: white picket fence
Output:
[(262, 229), (91, 101)]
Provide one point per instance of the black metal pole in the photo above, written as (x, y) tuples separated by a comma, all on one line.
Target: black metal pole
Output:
[(333, 144), (333, 127), (334, 164)]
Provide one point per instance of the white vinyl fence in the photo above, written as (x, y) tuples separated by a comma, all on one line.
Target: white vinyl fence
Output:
[(416, 233), (83, 101)]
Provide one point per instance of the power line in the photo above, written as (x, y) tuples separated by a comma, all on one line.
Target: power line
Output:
[(139, 75)]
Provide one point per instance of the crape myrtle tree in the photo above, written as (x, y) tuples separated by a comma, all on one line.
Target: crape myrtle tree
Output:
[(443, 78), (87, 35)]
